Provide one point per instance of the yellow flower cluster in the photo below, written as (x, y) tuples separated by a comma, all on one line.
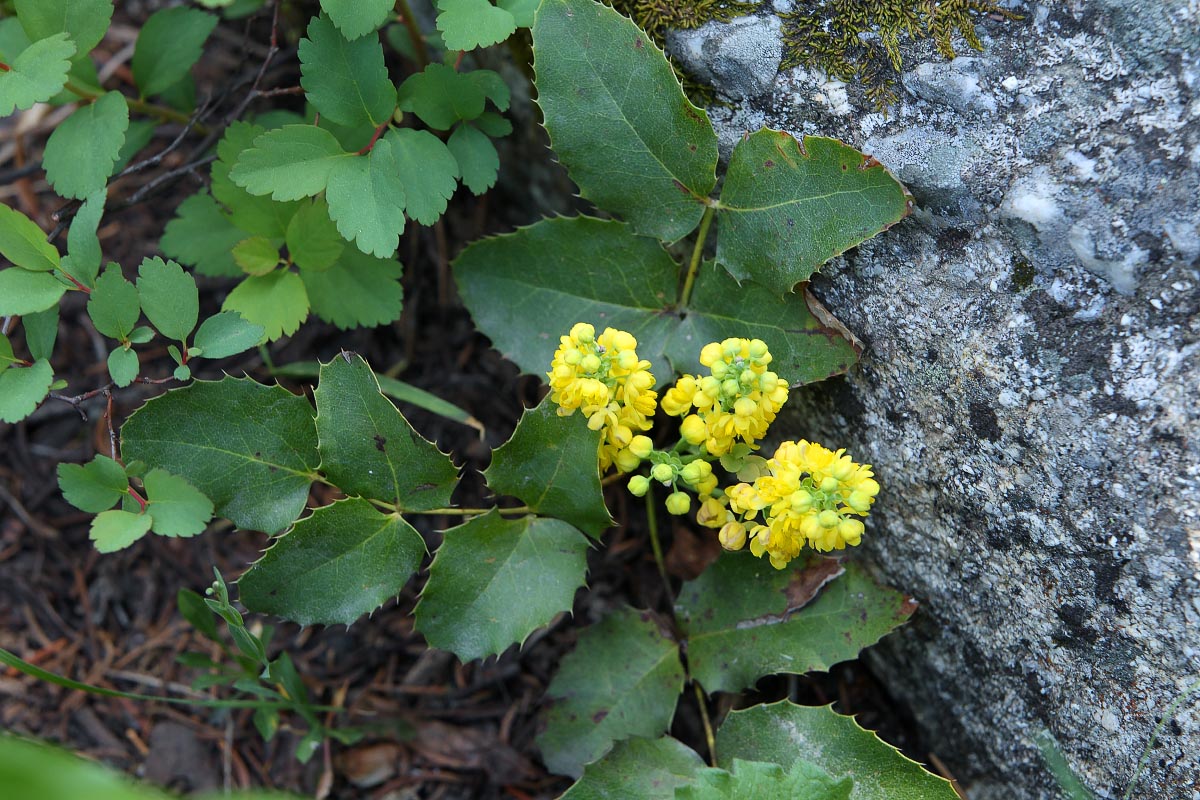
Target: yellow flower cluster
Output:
[(603, 377), (808, 495), (737, 400)]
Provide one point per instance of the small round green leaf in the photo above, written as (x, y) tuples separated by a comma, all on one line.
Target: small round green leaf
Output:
[(345, 78), (24, 244), (227, 334), (82, 242), (313, 241), (477, 158), (256, 255), (114, 305), (783, 733), (277, 301), (427, 170), (82, 151), (495, 580), (342, 562), (116, 530), (202, 236), (41, 331), (36, 74), (468, 24), (356, 18), (168, 297), (123, 366), (169, 43), (22, 388), (623, 679), (441, 96), (95, 486), (23, 292), (177, 507)]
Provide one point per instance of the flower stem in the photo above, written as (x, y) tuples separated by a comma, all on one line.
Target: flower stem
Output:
[(655, 544), (697, 255), (709, 738)]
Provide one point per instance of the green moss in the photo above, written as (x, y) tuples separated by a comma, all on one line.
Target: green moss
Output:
[(859, 40), (1023, 274)]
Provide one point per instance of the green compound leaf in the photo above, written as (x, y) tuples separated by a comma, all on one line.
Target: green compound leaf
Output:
[(772, 623), (289, 163), (22, 388), (345, 560), (257, 255), (526, 289), (277, 301), (477, 158), (786, 208), (37, 74), (367, 446), (783, 733), (23, 292), (116, 530), (358, 291), (169, 297), (95, 486), (346, 81), (41, 331), (638, 769), (312, 238), (622, 680), (619, 121), (468, 24), (766, 782), (252, 449), (356, 18), (803, 348), (85, 21), (492, 85), (227, 334), (366, 200), (114, 305), (24, 244), (82, 151), (83, 245), (170, 42), (177, 507), (441, 96), (201, 236), (550, 464), (495, 580), (427, 169), (123, 366), (260, 216)]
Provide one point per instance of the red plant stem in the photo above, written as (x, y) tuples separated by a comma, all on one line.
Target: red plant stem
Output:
[(140, 500), (71, 278), (374, 138), (5, 67)]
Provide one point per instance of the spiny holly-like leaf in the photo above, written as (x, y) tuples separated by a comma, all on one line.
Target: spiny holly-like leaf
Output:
[(495, 580), (256, 255), (346, 81), (289, 163), (85, 21), (252, 449), (367, 446), (477, 158), (765, 782), (227, 334), (123, 365), (177, 507), (312, 239), (114, 305), (36, 74), (359, 291), (23, 292), (622, 680), (528, 288), (787, 208), (550, 463), (783, 733), (201, 236), (467, 24), (345, 560), (169, 43), (366, 199), (169, 298), (803, 347), (277, 301), (618, 119), (95, 486), (772, 623), (24, 244), (356, 18), (261, 216), (115, 530), (83, 245), (638, 769), (81, 152), (427, 169), (441, 96), (22, 388)]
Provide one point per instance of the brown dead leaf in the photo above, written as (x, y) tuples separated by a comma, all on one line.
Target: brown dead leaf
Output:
[(691, 553)]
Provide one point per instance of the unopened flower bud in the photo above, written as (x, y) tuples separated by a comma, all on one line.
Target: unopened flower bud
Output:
[(710, 354), (859, 501), (851, 531), (732, 535), (663, 473), (719, 369), (758, 348), (583, 332), (747, 377), (730, 387), (829, 484), (693, 430), (626, 461), (678, 503), (627, 360), (828, 519), (641, 446), (590, 363), (639, 485)]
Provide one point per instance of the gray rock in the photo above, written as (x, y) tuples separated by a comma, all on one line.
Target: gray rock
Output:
[(742, 56), (1030, 391)]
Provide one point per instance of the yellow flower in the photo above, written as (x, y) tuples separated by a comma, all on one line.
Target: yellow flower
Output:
[(602, 377), (736, 401)]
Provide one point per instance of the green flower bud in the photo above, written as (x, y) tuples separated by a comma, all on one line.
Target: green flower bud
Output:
[(695, 472), (730, 387), (758, 348), (859, 501), (719, 369), (627, 360), (639, 485), (829, 484), (641, 446), (678, 503), (767, 382), (828, 519), (748, 378), (663, 473), (589, 363), (572, 357)]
